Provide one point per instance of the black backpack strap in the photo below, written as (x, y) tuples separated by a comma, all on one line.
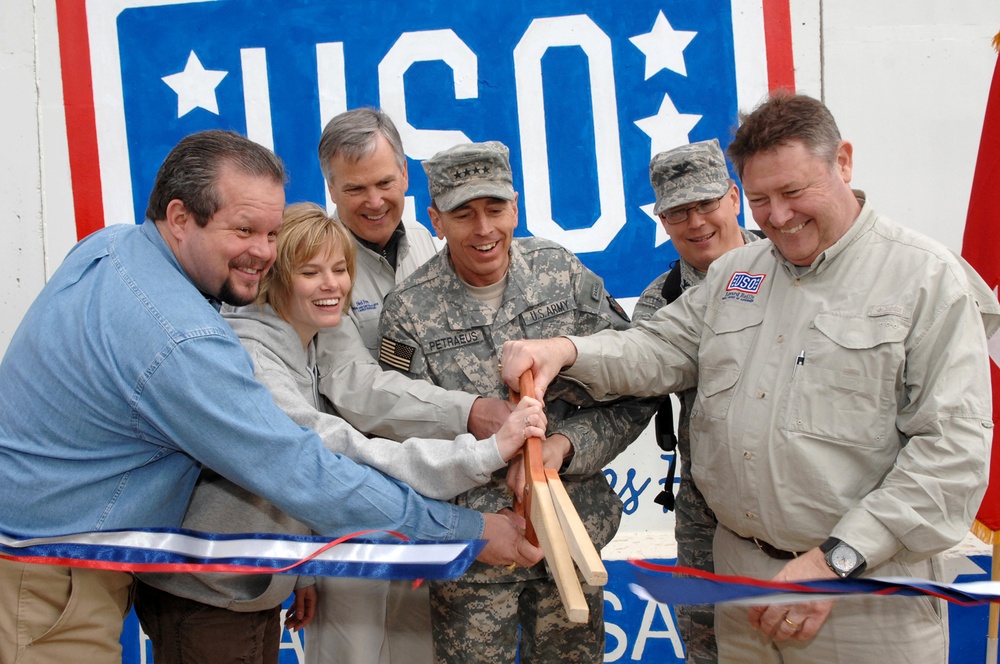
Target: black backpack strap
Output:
[(672, 284), (663, 424), (663, 421)]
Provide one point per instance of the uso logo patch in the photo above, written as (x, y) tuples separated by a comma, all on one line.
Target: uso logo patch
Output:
[(744, 282)]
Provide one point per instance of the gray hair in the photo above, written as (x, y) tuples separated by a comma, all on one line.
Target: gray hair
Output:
[(191, 170), (355, 135)]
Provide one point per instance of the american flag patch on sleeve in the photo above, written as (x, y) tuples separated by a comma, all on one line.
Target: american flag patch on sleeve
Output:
[(396, 354)]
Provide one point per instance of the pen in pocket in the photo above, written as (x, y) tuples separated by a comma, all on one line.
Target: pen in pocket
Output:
[(799, 361)]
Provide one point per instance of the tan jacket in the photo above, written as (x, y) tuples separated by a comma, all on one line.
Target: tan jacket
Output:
[(879, 437)]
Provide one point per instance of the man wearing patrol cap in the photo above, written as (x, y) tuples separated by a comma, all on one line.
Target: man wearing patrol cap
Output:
[(446, 323), (698, 204)]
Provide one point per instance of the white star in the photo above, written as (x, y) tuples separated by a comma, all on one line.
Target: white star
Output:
[(663, 47), (661, 232), (195, 87), (668, 128)]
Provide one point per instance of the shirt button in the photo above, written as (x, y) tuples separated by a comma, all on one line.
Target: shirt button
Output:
[(761, 395), (748, 454), (798, 282), (781, 338), (750, 515)]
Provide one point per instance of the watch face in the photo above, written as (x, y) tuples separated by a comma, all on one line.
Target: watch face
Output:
[(843, 558)]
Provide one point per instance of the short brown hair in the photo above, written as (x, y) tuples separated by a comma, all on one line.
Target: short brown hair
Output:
[(782, 118), (306, 230)]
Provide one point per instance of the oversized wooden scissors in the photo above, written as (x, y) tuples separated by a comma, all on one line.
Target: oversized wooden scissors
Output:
[(554, 525)]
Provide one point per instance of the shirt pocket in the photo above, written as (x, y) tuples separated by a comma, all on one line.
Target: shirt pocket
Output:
[(722, 354), (715, 392), (367, 322), (845, 390)]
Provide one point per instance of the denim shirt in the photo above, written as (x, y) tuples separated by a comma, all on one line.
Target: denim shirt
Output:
[(122, 380)]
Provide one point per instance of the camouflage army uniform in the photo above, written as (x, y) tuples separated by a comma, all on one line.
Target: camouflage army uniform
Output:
[(694, 521), (432, 328)]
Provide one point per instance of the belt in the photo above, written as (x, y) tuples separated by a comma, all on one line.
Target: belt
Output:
[(770, 550)]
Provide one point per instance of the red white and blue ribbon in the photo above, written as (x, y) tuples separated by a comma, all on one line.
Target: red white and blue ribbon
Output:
[(671, 584), (179, 550)]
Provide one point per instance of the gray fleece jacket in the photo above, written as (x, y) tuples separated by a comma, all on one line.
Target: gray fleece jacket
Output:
[(436, 468)]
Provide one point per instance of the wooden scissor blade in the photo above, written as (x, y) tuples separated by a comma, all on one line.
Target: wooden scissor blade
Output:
[(581, 547), (554, 525), (552, 541)]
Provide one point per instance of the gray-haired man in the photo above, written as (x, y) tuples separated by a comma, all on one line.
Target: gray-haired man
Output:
[(698, 204), (362, 159)]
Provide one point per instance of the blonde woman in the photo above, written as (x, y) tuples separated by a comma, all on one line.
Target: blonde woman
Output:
[(307, 289)]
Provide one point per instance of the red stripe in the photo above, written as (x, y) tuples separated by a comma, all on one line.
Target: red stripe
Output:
[(81, 125), (146, 567), (700, 574), (190, 567), (778, 585), (778, 45)]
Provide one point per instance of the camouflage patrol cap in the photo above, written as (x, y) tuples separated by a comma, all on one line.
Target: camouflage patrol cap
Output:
[(690, 173), (472, 170)]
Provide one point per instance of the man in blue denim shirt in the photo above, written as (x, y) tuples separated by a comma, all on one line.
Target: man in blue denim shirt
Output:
[(122, 380)]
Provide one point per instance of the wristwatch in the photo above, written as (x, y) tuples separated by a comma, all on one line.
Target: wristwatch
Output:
[(843, 559)]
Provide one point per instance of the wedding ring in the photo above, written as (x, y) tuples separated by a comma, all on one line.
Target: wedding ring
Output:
[(795, 626)]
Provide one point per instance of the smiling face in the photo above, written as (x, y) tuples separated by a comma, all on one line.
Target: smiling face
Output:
[(227, 257), (801, 202), (479, 234), (704, 237), (369, 192), (318, 293)]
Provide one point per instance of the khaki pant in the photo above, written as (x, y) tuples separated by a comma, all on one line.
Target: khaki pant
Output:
[(861, 629), (373, 621), (61, 614)]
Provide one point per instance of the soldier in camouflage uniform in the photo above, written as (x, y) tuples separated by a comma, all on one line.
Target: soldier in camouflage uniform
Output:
[(698, 204), (447, 323)]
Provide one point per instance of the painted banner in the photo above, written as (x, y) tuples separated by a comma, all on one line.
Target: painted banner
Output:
[(583, 93)]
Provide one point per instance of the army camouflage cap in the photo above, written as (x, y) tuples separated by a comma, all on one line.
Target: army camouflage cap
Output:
[(472, 170), (690, 173)]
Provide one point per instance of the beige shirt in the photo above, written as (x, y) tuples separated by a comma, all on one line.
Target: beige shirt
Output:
[(384, 403), (881, 435)]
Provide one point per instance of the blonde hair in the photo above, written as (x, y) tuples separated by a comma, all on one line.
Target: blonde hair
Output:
[(306, 231)]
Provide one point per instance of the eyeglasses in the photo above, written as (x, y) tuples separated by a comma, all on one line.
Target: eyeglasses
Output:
[(680, 215)]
